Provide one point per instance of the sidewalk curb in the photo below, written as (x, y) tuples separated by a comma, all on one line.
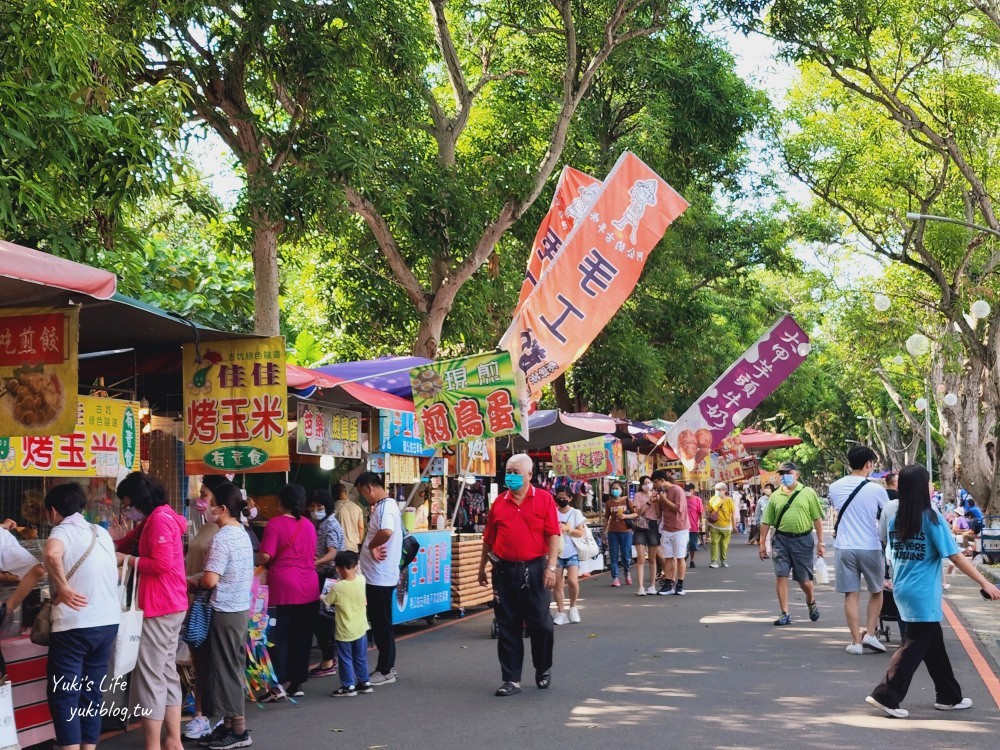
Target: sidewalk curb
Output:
[(991, 572)]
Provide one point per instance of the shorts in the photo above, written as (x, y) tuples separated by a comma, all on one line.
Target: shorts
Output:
[(674, 544), (851, 564), (568, 562), (794, 555), (692, 541), (648, 537)]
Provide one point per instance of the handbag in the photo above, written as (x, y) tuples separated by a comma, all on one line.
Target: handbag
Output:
[(327, 610), (125, 650), (198, 620), (712, 515), (820, 571), (41, 629), (586, 546)]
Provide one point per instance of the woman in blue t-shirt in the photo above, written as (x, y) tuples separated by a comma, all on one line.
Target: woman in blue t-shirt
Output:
[(919, 538)]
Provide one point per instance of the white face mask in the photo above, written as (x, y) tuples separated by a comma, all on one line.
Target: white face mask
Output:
[(133, 514), (253, 513), (647, 487), (319, 515), (214, 512)]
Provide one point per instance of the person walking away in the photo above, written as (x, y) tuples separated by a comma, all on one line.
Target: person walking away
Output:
[(228, 574), (696, 512), (288, 549), (572, 523), (522, 540), (721, 516), (329, 541), (618, 515), (645, 535), (347, 596), (794, 513), (156, 686), (858, 503), (918, 540), (758, 512), (890, 485), (350, 517), (194, 565), (379, 564), (83, 575), (744, 503), (674, 526)]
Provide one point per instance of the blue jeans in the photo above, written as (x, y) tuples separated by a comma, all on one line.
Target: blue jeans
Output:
[(78, 664), (619, 548), (353, 661)]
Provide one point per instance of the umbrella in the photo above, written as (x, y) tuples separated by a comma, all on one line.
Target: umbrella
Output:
[(755, 440), (554, 427), (306, 382), (389, 374)]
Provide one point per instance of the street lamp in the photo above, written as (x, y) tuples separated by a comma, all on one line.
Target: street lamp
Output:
[(948, 220)]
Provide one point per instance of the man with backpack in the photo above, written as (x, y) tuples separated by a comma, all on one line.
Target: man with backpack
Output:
[(858, 502), (794, 512)]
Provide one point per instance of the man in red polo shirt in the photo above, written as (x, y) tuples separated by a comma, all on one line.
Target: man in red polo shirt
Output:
[(522, 538)]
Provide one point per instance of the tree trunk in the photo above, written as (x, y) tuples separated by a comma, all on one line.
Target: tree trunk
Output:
[(563, 399), (429, 333), (265, 272)]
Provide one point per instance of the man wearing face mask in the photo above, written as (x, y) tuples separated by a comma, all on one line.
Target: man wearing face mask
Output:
[(794, 512), (522, 539)]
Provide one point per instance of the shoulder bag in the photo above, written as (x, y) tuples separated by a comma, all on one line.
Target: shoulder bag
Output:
[(844, 507), (586, 546), (42, 627), (786, 506), (125, 650)]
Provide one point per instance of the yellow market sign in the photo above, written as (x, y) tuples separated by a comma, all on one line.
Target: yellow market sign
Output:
[(38, 370), (105, 443), (235, 407)]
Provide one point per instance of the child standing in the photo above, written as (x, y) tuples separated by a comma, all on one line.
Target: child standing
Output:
[(348, 597)]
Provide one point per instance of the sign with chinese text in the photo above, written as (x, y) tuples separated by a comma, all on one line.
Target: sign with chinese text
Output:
[(731, 454), (104, 443), (700, 472), (425, 585), (325, 431), (400, 435), (38, 370), (469, 398), (376, 462), (574, 196), (594, 273), (402, 469), (478, 457), (236, 407), (738, 391), (584, 459)]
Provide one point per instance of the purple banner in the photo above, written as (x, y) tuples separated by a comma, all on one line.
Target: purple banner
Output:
[(731, 398)]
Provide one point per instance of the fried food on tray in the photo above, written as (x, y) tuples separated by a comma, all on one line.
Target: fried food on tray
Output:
[(37, 398)]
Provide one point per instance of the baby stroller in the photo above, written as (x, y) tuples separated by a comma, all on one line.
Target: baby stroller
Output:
[(889, 613)]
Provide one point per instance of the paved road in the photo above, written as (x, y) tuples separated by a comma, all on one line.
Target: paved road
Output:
[(707, 670)]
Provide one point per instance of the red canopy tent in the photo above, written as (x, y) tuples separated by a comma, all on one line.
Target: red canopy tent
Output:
[(756, 440), (307, 380)]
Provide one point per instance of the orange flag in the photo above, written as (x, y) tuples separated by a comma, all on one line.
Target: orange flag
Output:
[(575, 194), (598, 267)]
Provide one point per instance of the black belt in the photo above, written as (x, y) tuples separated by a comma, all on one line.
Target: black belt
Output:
[(522, 563), (794, 536)]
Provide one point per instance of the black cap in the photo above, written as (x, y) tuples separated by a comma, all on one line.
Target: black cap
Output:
[(787, 466)]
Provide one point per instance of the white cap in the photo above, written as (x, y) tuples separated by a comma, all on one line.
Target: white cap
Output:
[(721, 486)]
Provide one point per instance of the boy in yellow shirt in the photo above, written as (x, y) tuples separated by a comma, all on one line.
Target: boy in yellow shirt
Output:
[(348, 598)]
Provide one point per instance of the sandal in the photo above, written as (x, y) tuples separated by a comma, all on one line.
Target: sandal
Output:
[(544, 679), (508, 688)]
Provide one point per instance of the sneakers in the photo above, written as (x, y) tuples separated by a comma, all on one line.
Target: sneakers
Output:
[(230, 740), (814, 612), (274, 695), (197, 728), (217, 734), (560, 618), (784, 619), (964, 703), (870, 641), (641, 591), (692, 565), (679, 589), (365, 688), (296, 691), (321, 671), (855, 648), (651, 591), (896, 713), (574, 614), (628, 579), (616, 583), (667, 589), (377, 678), (347, 691), (725, 563), (713, 564)]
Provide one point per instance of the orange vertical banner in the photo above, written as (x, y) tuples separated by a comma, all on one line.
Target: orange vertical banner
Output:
[(597, 269)]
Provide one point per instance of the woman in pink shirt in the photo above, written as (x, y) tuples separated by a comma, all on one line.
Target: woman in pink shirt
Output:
[(156, 686), (288, 549)]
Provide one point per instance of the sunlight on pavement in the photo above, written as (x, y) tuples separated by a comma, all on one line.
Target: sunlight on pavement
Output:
[(661, 692), (598, 714), (727, 618), (874, 721)]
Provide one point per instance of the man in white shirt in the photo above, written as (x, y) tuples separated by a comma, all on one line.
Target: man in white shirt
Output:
[(859, 551)]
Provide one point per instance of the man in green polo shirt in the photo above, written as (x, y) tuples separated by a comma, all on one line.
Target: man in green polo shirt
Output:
[(794, 512)]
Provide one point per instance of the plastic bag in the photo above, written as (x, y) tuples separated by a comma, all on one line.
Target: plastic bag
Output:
[(820, 571)]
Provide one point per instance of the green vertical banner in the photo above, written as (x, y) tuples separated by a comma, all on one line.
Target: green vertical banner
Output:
[(468, 398)]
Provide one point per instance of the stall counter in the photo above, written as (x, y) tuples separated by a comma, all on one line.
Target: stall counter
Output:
[(27, 665)]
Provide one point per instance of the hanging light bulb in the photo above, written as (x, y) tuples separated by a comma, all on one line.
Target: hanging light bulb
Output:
[(918, 344), (980, 309), (950, 399), (326, 463), (920, 403), (882, 302)]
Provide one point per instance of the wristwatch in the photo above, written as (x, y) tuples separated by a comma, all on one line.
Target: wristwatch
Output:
[(551, 568)]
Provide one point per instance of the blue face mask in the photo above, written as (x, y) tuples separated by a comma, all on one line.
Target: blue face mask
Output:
[(616, 493), (788, 479), (514, 482)]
